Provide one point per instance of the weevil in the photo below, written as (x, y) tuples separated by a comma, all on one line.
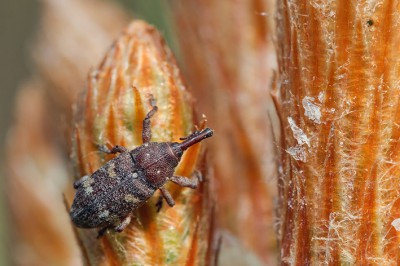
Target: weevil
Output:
[(107, 198)]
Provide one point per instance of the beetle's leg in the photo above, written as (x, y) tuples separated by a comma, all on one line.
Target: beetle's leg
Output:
[(80, 181), (113, 150), (124, 223), (159, 203), (146, 133), (192, 182), (167, 196), (102, 231)]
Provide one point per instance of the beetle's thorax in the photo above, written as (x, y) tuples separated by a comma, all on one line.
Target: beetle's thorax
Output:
[(157, 160)]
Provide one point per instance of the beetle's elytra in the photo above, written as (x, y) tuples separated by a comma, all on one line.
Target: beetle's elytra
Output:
[(107, 198)]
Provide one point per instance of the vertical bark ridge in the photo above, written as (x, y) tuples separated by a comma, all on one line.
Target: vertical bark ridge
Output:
[(344, 65)]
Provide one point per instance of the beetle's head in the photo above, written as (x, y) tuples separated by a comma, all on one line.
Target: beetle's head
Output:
[(159, 160)]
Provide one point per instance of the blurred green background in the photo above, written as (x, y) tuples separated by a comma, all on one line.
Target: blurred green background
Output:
[(18, 24)]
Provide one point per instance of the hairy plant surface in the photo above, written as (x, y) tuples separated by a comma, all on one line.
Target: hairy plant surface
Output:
[(338, 91)]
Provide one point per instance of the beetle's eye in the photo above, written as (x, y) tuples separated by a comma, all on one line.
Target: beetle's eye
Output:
[(177, 150)]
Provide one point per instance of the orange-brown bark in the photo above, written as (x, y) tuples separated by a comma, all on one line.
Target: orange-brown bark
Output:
[(339, 65)]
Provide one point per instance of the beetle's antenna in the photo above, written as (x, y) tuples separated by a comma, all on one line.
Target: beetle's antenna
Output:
[(195, 138)]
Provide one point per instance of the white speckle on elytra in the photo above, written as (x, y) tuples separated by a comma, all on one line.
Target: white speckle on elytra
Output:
[(158, 171), (84, 178), (88, 190), (87, 182), (135, 175), (146, 144), (111, 170), (131, 198), (87, 185), (104, 214), (147, 154)]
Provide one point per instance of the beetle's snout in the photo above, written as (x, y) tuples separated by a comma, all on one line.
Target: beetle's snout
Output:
[(196, 137)]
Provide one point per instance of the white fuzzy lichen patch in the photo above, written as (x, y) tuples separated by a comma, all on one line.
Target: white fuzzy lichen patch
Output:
[(311, 110), (298, 133), (321, 96), (396, 224), (298, 153)]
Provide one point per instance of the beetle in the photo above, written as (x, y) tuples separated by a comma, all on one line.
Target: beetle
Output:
[(107, 198)]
